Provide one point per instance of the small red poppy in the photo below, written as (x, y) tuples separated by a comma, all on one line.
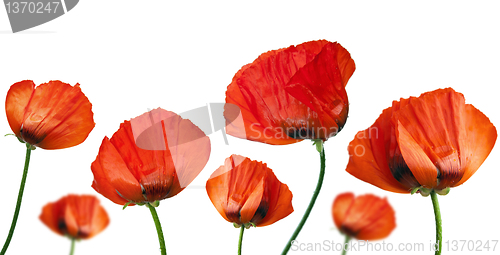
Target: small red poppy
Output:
[(78, 216), (247, 192), (150, 158), (291, 94), (54, 115), (435, 141), (365, 217)]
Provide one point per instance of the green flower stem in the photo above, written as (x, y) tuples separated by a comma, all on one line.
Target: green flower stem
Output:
[(240, 241), (346, 246), (439, 223), (158, 228), (72, 246), (29, 147), (313, 199)]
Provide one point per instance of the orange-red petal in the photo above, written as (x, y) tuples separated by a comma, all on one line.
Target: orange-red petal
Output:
[(480, 139), (369, 154), (279, 200), (102, 185), (415, 158), (320, 85), (116, 173), (18, 97), (340, 207), (50, 217), (365, 217)]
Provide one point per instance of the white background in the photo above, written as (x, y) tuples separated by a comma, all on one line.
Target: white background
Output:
[(131, 56)]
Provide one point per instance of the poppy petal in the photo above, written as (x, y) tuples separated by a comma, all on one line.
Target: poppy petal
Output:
[(480, 139), (320, 85), (49, 217), (189, 147), (436, 122), (117, 174), (244, 124), (153, 169), (369, 218), (17, 99), (89, 216), (366, 166), (419, 163), (340, 207), (358, 215), (244, 180), (70, 218), (100, 221), (102, 185), (280, 205), (252, 205), (218, 192), (381, 223), (58, 114)]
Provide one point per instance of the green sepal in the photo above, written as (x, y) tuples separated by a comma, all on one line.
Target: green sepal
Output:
[(19, 139), (415, 190), (29, 146), (319, 144), (236, 225), (443, 192), (126, 204), (248, 225), (155, 203), (425, 192)]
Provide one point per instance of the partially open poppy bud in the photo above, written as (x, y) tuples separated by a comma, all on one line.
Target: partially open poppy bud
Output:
[(247, 192)]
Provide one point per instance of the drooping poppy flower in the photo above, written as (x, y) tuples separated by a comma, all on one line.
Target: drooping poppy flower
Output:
[(365, 217), (246, 192), (75, 216), (54, 115), (432, 142), (150, 158), (291, 94)]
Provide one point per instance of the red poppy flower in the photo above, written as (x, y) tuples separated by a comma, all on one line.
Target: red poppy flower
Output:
[(79, 217), (150, 158), (365, 217), (291, 94), (54, 115), (247, 192), (435, 141)]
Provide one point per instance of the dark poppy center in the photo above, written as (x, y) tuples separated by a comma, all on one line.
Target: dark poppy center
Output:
[(401, 171), (261, 212), (29, 135)]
